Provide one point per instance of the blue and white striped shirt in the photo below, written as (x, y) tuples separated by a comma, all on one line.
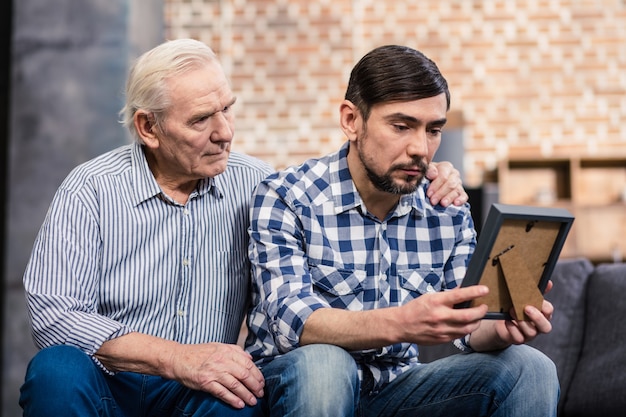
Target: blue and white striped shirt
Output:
[(313, 245), (115, 255)]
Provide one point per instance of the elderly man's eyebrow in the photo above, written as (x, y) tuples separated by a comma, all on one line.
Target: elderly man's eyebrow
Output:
[(210, 113)]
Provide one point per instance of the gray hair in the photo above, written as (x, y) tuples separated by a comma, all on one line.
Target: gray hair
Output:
[(146, 86)]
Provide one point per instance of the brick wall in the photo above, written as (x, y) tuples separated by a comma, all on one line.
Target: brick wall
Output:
[(538, 77)]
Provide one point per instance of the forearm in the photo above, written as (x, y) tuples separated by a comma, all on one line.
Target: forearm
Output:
[(352, 330), (141, 353), (223, 370)]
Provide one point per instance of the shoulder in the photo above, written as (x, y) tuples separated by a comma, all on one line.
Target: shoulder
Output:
[(304, 175), (242, 163), (306, 183), (242, 175), (113, 163)]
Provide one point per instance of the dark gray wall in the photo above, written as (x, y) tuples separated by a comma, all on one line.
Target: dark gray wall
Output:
[(6, 16), (69, 64)]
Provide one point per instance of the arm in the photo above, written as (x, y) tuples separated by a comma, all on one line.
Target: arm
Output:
[(62, 288), (446, 186), (286, 238), (62, 278), (223, 370), (429, 319)]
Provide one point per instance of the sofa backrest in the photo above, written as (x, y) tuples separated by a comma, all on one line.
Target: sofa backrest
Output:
[(598, 385)]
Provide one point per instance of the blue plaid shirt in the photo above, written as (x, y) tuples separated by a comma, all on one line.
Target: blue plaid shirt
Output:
[(314, 245)]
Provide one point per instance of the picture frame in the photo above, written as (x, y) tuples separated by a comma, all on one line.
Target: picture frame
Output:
[(515, 256)]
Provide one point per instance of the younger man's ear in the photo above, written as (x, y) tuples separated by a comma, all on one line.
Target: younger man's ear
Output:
[(350, 119)]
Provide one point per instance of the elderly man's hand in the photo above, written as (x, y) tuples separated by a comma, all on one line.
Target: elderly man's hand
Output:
[(223, 370), (446, 186)]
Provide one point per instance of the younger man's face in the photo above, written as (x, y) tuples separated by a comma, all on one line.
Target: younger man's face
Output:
[(399, 140)]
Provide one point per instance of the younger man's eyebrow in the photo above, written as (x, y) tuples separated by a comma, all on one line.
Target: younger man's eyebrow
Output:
[(439, 122), (413, 120)]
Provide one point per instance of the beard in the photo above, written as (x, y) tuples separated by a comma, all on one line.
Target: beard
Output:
[(385, 181)]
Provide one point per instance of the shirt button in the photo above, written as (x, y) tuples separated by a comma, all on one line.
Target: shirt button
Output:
[(185, 262), (180, 313), (186, 212)]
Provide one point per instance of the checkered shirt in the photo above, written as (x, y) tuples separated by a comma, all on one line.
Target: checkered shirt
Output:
[(314, 245)]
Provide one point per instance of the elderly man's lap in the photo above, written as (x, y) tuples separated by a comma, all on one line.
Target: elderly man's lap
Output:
[(62, 380)]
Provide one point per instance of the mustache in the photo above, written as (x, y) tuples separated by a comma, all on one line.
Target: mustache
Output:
[(420, 163)]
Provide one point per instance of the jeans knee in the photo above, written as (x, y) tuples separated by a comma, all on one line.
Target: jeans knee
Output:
[(323, 362), (60, 363), (60, 369), (536, 373), (322, 372), (534, 362), (333, 359)]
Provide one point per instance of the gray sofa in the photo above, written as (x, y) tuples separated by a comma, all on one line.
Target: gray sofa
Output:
[(588, 340)]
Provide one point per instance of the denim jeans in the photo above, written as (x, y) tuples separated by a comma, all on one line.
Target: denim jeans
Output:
[(516, 382), (64, 381), (314, 380), (320, 380)]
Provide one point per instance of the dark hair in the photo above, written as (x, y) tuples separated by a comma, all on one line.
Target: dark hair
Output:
[(394, 73)]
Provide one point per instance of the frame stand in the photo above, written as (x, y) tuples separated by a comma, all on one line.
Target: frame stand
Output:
[(521, 287)]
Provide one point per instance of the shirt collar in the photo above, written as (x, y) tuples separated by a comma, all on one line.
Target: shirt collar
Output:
[(346, 196), (146, 186)]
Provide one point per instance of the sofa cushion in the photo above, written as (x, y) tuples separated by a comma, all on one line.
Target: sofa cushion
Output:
[(599, 383), (563, 343)]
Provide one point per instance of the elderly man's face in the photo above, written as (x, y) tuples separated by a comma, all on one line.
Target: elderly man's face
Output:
[(199, 125)]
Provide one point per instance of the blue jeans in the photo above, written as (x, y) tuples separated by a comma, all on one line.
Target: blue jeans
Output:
[(64, 381), (313, 380), (519, 381), (319, 380)]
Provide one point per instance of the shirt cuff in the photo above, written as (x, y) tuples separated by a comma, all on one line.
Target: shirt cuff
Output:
[(463, 344)]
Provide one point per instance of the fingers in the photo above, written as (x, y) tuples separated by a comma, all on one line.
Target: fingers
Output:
[(226, 372), (237, 387), (243, 381), (446, 186), (461, 295), (548, 287), (538, 321), (463, 316), (450, 316)]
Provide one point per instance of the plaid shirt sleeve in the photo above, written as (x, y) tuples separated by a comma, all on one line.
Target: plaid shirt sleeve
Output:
[(282, 285)]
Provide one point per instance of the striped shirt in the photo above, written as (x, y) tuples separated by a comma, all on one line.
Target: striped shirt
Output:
[(116, 255), (314, 245)]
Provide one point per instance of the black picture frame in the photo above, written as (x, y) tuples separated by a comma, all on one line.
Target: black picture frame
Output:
[(530, 238)]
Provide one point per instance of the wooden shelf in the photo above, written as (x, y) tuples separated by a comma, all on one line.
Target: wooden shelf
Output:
[(593, 189)]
